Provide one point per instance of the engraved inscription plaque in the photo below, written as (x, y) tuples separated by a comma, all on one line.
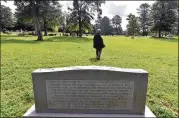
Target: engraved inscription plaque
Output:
[(90, 94)]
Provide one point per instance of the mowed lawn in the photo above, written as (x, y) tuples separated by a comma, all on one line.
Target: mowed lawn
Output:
[(22, 55)]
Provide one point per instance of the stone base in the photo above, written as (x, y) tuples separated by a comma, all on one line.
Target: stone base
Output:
[(32, 114)]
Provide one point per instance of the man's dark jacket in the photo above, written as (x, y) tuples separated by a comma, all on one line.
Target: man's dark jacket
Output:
[(98, 42)]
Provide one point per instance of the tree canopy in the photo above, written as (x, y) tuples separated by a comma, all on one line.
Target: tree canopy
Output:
[(160, 18), (133, 25), (143, 12), (163, 16), (82, 13), (116, 22), (6, 17), (34, 10)]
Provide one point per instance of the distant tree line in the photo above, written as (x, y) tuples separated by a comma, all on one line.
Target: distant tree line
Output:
[(47, 14), (109, 26), (160, 19)]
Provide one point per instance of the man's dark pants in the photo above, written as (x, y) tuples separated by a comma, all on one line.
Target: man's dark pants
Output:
[(98, 52)]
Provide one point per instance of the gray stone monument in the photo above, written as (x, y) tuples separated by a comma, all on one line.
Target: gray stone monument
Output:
[(170, 36), (89, 92), (132, 37)]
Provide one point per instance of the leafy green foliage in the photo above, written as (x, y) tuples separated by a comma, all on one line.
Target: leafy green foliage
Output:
[(50, 14), (116, 21), (47, 13), (109, 26), (6, 17), (143, 11), (82, 13), (133, 25), (163, 15), (32, 8), (106, 27)]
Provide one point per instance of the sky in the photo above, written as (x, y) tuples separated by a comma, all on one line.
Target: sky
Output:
[(110, 8)]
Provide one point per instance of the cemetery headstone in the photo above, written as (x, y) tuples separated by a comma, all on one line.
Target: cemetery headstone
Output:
[(89, 91), (21, 33), (132, 37), (170, 36), (52, 34)]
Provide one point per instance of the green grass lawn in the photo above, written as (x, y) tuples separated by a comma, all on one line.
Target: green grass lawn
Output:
[(21, 55)]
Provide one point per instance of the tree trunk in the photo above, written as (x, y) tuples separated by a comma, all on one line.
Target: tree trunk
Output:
[(117, 31), (143, 31), (162, 34), (80, 22), (77, 32), (133, 29), (63, 33), (165, 33), (37, 22), (35, 31), (39, 33), (159, 33), (80, 28), (45, 28)]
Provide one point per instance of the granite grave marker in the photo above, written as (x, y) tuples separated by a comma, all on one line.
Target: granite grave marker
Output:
[(89, 91)]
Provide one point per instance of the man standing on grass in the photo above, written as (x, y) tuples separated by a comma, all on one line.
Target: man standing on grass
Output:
[(98, 44)]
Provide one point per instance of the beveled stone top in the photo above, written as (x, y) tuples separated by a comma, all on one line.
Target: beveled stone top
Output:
[(90, 68)]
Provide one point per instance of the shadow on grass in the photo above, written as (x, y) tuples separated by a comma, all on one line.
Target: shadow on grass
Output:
[(93, 60), (67, 39), (5, 41), (175, 39), (46, 39), (14, 36)]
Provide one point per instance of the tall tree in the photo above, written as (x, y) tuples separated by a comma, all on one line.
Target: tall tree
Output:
[(106, 27), (97, 7), (116, 21), (133, 25), (178, 17), (143, 12), (66, 22), (50, 14), (175, 26), (35, 13), (163, 16), (83, 12), (6, 17), (98, 23), (20, 23), (33, 8), (23, 16)]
